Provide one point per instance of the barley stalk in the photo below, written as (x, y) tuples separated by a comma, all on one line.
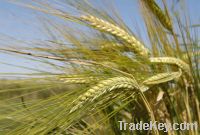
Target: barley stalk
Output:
[(171, 60), (105, 26), (191, 54), (157, 11), (102, 88)]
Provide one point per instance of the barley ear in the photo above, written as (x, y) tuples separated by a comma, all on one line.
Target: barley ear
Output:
[(102, 88), (162, 78), (173, 61), (77, 79), (114, 30), (157, 11)]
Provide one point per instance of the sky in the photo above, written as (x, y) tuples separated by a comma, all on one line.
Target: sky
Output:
[(23, 24)]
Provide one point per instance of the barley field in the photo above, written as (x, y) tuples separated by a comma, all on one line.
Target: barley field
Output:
[(98, 67)]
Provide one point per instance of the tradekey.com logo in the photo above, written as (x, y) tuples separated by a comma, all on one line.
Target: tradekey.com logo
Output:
[(158, 126)]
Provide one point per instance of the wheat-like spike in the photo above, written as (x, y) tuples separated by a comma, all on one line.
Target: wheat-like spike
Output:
[(157, 11), (76, 79), (105, 26), (171, 60), (114, 46), (162, 78), (104, 87)]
